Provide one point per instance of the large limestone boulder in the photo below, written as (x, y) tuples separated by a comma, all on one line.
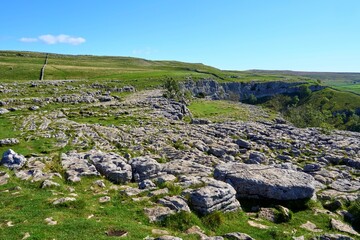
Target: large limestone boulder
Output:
[(77, 166), (112, 166), (216, 196), (259, 181), (145, 168), (13, 160)]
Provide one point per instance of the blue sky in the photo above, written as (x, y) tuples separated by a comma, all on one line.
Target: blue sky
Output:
[(312, 35)]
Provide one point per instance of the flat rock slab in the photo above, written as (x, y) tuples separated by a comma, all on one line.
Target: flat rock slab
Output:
[(258, 181), (342, 227)]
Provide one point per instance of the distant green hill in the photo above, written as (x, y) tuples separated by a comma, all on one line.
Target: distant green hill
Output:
[(15, 65), (342, 81)]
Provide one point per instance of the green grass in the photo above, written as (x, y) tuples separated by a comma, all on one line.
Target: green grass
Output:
[(140, 73), (218, 110)]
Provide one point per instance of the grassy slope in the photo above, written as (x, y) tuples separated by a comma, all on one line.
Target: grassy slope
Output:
[(138, 72)]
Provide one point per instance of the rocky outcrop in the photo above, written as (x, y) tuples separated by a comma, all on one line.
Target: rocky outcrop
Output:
[(216, 196), (12, 160), (112, 166), (145, 168), (77, 166), (243, 90), (259, 181)]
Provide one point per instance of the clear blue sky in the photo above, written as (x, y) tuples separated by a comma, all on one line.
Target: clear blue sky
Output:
[(313, 35)]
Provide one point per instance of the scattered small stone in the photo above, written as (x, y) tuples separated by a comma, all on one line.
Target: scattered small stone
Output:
[(159, 232), (34, 108), (26, 236), (90, 216), (9, 224), (49, 183), (64, 200), (147, 184), (311, 227), (156, 214), (3, 111), (104, 199), (158, 192), (4, 177), (100, 183), (257, 225), (50, 221), (131, 191)]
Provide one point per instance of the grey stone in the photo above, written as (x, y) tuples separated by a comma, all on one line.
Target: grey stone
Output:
[(144, 168), (237, 236), (174, 203), (34, 108), (147, 184), (63, 200), (216, 196), (312, 167), (3, 111), (12, 160), (157, 213), (257, 181), (243, 143), (9, 141), (112, 166), (77, 166), (104, 199), (165, 178), (344, 185), (257, 158), (333, 237), (168, 237), (4, 177), (48, 183), (342, 227)]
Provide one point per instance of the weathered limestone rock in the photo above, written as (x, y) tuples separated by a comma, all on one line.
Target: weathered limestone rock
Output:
[(104, 199), (216, 196), (243, 144), (48, 183), (77, 166), (63, 200), (342, 227), (175, 203), (258, 181), (344, 185), (112, 166), (333, 237), (9, 141), (147, 184), (157, 213), (12, 160), (237, 236), (145, 168), (257, 158), (3, 111), (183, 167), (4, 177), (311, 227)]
